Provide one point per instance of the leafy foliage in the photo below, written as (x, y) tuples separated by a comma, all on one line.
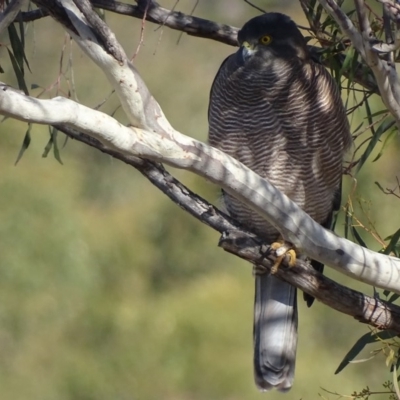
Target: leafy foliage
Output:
[(377, 127)]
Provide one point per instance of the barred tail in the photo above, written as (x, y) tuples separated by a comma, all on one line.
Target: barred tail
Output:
[(275, 333)]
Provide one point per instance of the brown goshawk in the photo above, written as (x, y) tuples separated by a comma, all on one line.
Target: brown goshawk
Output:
[(280, 113)]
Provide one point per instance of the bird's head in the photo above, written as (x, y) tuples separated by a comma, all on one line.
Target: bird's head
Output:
[(272, 35)]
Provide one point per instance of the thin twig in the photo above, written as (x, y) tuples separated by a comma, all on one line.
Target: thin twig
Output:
[(191, 14), (141, 39), (254, 6)]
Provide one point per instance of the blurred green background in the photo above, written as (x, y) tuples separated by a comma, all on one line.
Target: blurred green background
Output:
[(110, 291)]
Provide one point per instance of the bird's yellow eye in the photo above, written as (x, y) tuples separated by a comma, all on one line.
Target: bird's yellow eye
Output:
[(266, 39)]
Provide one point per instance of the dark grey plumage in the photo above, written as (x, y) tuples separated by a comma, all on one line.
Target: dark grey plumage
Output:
[(280, 114)]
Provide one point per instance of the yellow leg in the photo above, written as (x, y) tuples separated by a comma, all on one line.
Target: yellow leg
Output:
[(282, 249)]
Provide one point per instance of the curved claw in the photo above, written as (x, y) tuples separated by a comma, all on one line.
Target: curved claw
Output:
[(282, 249)]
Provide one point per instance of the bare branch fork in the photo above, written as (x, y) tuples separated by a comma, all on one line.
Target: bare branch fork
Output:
[(153, 138)]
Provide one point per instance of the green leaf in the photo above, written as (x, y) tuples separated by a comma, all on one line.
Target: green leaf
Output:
[(393, 241), (48, 147), (334, 222), (21, 31), (65, 141), (52, 144), (347, 221), (361, 343), (358, 237), (381, 112), (354, 66), (25, 143), (347, 61), (350, 65), (369, 116), (393, 298), (380, 187), (391, 135), (383, 127), (56, 150), (18, 73), (16, 46), (358, 128)]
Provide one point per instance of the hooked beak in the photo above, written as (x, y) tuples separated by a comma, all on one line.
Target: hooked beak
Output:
[(247, 50)]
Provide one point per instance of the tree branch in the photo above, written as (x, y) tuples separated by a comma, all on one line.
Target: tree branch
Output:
[(384, 71), (200, 27), (154, 138), (189, 24), (203, 28), (366, 309), (177, 150)]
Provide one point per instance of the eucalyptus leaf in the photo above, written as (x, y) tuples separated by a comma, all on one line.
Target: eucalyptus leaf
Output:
[(368, 338)]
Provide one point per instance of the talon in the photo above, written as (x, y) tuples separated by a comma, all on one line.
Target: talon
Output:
[(277, 245), (292, 257), (277, 264), (282, 249)]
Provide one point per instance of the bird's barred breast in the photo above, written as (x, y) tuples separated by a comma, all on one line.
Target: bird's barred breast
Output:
[(285, 126)]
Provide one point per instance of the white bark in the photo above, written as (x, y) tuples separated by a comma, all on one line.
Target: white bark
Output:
[(181, 151), (154, 138)]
